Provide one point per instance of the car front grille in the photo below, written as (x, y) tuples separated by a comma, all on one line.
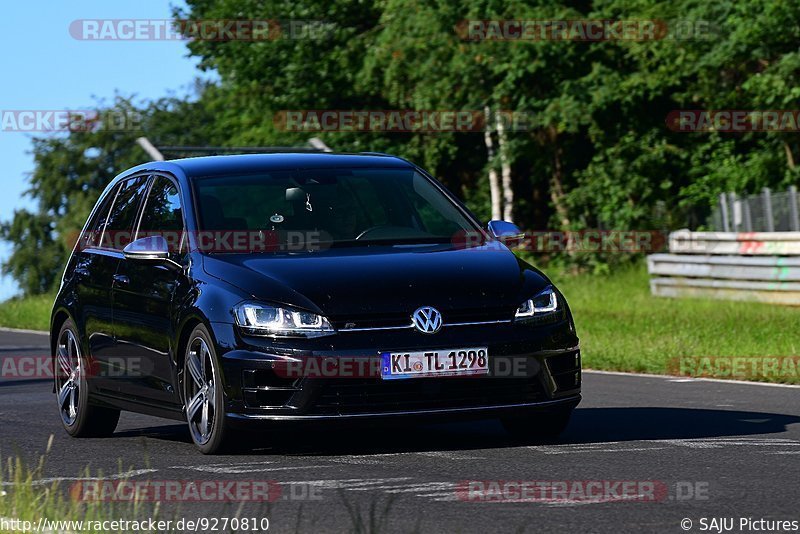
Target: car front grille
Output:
[(399, 320), (381, 396)]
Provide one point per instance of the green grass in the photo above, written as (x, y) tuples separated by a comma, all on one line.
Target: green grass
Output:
[(24, 498), (623, 328), (28, 312)]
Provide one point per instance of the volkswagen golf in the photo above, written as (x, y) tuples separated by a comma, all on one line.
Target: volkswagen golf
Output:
[(243, 292)]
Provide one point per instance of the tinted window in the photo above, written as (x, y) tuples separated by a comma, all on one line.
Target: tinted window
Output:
[(94, 230), (343, 206), (119, 226), (435, 211), (162, 214)]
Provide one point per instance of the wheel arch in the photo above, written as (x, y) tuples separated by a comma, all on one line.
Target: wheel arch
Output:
[(187, 326)]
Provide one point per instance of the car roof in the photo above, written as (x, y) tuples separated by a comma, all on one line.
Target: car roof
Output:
[(253, 163)]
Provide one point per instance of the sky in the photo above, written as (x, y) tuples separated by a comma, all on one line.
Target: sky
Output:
[(45, 68)]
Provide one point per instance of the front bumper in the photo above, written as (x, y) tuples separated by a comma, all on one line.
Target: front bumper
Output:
[(530, 369), (448, 414)]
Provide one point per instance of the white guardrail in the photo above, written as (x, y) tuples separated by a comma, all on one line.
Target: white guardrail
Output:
[(760, 266)]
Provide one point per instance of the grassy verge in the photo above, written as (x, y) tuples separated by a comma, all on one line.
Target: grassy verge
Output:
[(29, 502), (26, 503), (28, 312), (623, 328)]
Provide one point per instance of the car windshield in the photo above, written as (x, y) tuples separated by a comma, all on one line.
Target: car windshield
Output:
[(308, 209)]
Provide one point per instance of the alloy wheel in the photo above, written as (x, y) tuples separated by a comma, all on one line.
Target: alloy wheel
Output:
[(68, 379), (201, 391)]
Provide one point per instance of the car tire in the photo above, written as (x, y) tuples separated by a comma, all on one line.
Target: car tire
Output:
[(544, 427), (79, 417), (204, 403)]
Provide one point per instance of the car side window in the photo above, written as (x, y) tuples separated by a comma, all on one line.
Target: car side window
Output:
[(94, 229), (118, 229), (163, 214)]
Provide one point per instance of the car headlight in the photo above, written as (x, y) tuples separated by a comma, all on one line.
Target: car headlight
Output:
[(544, 302), (266, 320)]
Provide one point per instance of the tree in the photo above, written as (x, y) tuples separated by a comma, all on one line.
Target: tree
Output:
[(596, 154), (71, 170)]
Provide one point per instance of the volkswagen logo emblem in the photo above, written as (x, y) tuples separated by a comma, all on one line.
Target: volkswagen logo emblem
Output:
[(427, 320)]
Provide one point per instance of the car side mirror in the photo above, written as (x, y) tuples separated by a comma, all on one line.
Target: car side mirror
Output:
[(152, 248), (506, 232)]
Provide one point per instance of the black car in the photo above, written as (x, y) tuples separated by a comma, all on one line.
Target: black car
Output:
[(234, 291)]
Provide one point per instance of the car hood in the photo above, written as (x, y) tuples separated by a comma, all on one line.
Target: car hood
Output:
[(383, 280)]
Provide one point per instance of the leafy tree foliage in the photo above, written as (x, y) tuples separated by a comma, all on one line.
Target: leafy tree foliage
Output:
[(598, 152), (70, 173)]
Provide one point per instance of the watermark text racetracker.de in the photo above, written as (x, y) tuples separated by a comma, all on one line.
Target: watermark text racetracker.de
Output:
[(401, 120), (584, 30), (576, 491), (38, 367), (365, 366), (104, 490), (736, 367), (733, 120), (69, 120), (199, 30), (630, 241)]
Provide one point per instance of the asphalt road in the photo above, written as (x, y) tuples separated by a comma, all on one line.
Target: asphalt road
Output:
[(720, 450)]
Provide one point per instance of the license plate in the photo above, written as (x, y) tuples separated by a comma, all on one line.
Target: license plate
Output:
[(447, 362)]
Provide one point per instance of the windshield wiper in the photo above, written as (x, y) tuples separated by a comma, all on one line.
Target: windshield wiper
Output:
[(432, 240)]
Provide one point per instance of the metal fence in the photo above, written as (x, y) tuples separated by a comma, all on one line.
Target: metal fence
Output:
[(758, 266), (766, 212)]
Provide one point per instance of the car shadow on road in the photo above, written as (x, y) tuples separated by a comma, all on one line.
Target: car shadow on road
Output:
[(597, 425), (588, 425), (170, 432)]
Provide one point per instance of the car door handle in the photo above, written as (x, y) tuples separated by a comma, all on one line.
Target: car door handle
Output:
[(121, 279)]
